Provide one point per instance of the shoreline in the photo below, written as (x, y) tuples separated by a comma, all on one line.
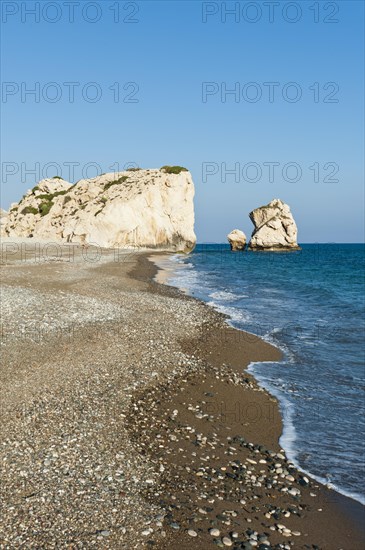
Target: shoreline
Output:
[(351, 508), (165, 272), (91, 437)]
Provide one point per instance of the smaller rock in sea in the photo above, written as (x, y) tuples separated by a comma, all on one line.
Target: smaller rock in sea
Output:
[(237, 240)]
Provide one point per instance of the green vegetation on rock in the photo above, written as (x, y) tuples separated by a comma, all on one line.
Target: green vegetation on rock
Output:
[(29, 210), (51, 196), (45, 207), (173, 169), (115, 182)]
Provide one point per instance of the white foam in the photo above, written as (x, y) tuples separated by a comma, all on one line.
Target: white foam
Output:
[(225, 295), (289, 437), (236, 315)]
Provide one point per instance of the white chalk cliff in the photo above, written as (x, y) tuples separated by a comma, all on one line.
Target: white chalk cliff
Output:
[(135, 208), (237, 239), (275, 228)]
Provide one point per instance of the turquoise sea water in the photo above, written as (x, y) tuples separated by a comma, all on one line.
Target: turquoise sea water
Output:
[(310, 304)]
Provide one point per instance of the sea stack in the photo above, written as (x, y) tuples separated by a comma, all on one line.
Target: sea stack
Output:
[(275, 228), (152, 209), (237, 239)]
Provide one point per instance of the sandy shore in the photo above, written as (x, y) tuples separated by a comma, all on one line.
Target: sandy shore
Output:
[(128, 419)]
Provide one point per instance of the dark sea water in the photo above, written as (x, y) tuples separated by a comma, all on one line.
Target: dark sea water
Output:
[(310, 304)]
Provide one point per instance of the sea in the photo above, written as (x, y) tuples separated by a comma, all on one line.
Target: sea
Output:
[(310, 304)]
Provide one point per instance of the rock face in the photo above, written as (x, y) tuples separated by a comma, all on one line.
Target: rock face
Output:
[(136, 208), (237, 239), (275, 228), (3, 221)]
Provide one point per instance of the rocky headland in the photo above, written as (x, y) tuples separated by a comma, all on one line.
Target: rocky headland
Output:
[(137, 208)]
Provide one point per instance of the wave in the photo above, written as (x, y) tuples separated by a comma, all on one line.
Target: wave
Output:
[(236, 315), (289, 435), (225, 295)]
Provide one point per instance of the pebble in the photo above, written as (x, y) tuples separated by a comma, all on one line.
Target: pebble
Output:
[(215, 532), (192, 533), (227, 541)]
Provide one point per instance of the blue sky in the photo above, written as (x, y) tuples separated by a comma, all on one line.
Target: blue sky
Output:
[(166, 55)]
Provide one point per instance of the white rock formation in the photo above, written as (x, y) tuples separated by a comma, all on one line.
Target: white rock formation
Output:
[(237, 239), (3, 221), (275, 228), (135, 208)]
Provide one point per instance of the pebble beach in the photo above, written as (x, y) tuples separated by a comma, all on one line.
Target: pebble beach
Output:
[(129, 421)]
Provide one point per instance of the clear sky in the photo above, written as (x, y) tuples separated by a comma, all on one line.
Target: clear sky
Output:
[(150, 82)]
